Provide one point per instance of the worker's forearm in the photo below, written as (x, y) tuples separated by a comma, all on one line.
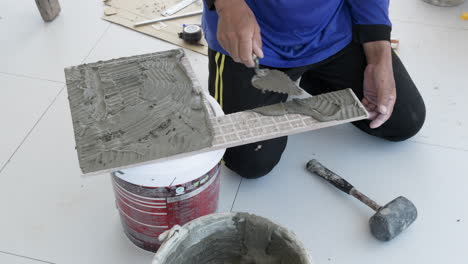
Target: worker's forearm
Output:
[(378, 52), (222, 5)]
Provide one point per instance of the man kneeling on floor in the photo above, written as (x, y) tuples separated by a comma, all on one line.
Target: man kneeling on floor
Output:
[(331, 45)]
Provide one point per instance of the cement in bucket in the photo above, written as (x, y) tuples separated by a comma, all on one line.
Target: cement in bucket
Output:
[(231, 238), (445, 2), (153, 198)]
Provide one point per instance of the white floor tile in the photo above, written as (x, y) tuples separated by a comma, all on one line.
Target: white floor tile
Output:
[(334, 226), (12, 259), (56, 215), (34, 48), (22, 102), (122, 42), (229, 185), (418, 11), (436, 59)]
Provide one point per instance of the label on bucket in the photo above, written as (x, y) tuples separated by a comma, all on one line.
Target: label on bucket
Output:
[(180, 190), (146, 212)]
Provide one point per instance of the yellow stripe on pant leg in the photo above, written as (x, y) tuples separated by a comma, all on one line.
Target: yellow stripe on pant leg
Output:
[(217, 77), (221, 82)]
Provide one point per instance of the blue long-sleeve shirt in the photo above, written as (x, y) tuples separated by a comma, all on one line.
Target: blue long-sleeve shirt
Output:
[(302, 32)]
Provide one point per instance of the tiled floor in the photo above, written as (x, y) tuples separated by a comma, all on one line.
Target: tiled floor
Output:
[(50, 214)]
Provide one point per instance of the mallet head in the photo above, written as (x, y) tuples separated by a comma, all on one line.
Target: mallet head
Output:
[(393, 218)]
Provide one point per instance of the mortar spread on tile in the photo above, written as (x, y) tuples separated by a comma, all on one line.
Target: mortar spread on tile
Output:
[(136, 109), (326, 107), (275, 81)]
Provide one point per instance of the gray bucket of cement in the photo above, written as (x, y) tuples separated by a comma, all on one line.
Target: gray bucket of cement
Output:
[(445, 2), (231, 238)]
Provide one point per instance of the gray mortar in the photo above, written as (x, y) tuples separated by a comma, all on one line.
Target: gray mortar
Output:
[(136, 109), (445, 2), (275, 81), (233, 238), (326, 107)]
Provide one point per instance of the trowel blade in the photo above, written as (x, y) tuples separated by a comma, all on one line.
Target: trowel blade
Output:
[(275, 81)]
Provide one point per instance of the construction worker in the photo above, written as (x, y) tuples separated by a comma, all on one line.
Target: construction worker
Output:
[(331, 45)]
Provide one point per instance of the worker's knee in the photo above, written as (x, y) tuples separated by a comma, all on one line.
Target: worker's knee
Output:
[(408, 124), (257, 159), (405, 122)]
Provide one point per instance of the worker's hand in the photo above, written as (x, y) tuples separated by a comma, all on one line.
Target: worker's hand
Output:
[(379, 85), (238, 31)]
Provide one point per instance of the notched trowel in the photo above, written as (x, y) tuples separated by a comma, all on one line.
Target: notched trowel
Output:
[(273, 81)]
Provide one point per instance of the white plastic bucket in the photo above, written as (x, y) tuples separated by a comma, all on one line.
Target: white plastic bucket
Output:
[(153, 198)]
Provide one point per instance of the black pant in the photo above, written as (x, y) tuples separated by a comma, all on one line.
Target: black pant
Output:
[(230, 84)]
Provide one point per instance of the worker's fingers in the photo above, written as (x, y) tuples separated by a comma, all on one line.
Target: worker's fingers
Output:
[(234, 48), (257, 43), (237, 27), (370, 107), (245, 52), (386, 98), (257, 51), (223, 41), (373, 115), (366, 102), (369, 84), (384, 108), (379, 120)]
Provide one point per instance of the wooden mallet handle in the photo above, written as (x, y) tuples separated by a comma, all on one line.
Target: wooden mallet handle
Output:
[(316, 167)]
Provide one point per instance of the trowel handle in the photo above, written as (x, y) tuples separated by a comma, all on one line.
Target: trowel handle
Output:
[(316, 167), (255, 59)]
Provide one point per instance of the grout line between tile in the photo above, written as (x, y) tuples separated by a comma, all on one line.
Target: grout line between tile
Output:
[(16, 255), (30, 77), (461, 28), (436, 145), (31, 130), (97, 42), (55, 81), (53, 101), (237, 192)]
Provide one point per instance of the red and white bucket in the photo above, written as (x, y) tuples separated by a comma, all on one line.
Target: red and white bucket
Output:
[(153, 198)]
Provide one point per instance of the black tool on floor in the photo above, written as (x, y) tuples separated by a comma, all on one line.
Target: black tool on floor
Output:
[(388, 221), (191, 33)]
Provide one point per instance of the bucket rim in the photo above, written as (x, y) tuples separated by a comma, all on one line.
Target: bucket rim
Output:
[(177, 234)]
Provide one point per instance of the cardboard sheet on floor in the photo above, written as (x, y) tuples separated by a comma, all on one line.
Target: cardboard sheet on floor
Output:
[(128, 12)]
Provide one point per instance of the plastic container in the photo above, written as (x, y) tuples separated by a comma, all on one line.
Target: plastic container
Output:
[(231, 238), (153, 198), (445, 2)]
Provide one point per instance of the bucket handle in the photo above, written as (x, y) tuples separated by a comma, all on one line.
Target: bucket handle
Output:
[(168, 241), (172, 234)]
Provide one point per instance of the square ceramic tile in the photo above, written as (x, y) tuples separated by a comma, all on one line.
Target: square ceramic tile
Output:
[(22, 102), (334, 226), (418, 11), (122, 42), (230, 183), (12, 259), (54, 214), (436, 59), (38, 49)]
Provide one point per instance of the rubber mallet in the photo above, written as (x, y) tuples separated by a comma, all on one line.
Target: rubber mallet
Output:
[(388, 221)]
